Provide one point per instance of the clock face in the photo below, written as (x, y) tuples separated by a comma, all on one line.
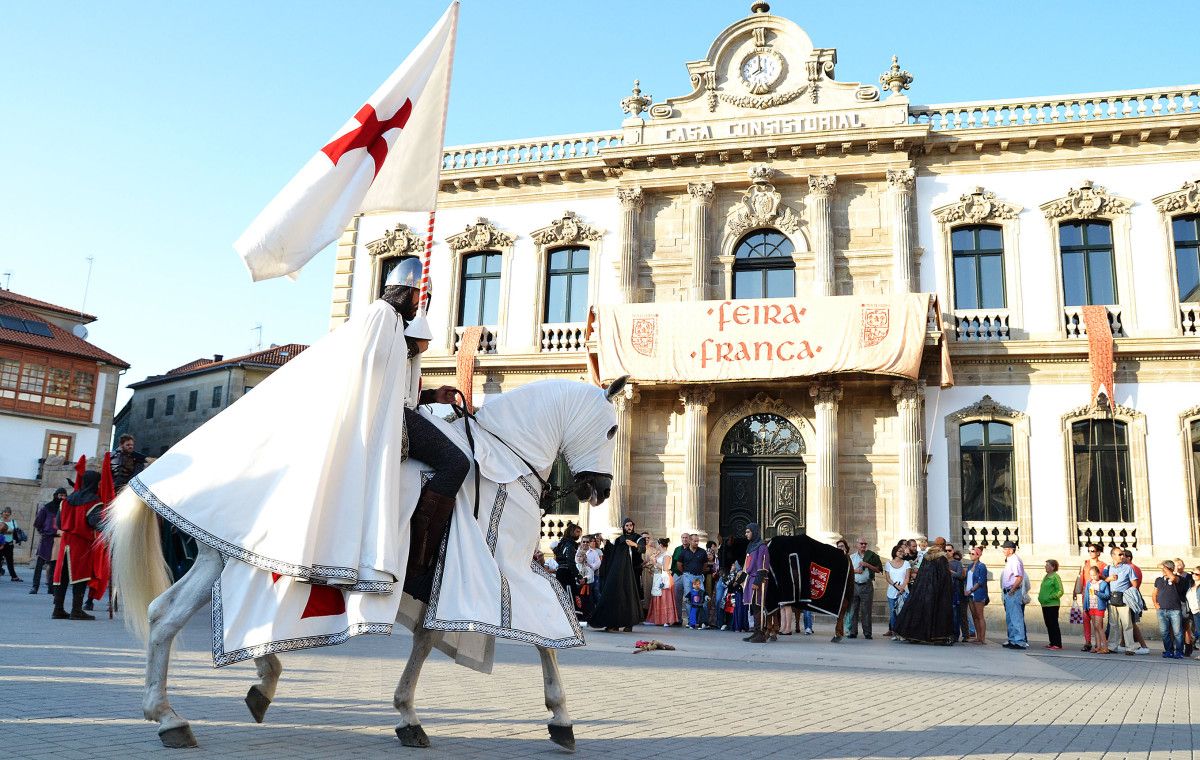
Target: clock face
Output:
[(762, 70)]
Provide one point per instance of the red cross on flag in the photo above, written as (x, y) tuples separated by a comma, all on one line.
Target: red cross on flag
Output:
[(387, 157)]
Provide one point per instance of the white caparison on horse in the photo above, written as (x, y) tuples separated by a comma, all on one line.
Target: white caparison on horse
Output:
[(485, 585)]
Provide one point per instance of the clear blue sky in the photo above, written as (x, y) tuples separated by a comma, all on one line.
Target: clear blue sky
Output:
[(149, 134)]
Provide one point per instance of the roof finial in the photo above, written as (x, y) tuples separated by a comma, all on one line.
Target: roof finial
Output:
[(760, 7), (636, 102)]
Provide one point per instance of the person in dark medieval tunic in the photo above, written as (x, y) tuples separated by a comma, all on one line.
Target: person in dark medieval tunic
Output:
[(928, 615), (46, 525), (619, 607)]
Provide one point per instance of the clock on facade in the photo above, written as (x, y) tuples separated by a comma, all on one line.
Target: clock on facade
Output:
[(762, 70)]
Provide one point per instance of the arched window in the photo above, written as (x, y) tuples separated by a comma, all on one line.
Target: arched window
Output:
[(986, 461), (567, 285), (763, 266), (1186, 231), (1088, 271), (763, 435), (479, 299), (1102, 487), (978, 267)]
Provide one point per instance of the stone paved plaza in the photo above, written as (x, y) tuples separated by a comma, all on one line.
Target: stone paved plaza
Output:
[(73, 690)]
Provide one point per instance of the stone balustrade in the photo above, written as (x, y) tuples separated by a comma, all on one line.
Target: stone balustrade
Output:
[(487, 344), (989, 533), (1106, 534), (535, 150), (976, 325), (562, 337), (1189, 319), (1061, 109), (1073, 321)]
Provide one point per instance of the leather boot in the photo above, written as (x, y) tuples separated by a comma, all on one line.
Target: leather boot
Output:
[(60, 597), (428, 526), (77, 591)]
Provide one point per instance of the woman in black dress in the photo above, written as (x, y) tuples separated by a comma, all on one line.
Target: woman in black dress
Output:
[(619, 607)]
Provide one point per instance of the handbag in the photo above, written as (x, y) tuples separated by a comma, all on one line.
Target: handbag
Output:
[(19, 536), (1076, 616)]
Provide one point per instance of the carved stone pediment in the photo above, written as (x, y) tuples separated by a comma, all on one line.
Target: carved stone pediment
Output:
[(985, 408), (1087, 411), (401, 241), (567, 230), (482, 235), (761, 206), (1184, 201), (975, 208), (1088, 201)]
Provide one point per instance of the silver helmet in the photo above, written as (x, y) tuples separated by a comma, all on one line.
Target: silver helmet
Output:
[(406, 273)]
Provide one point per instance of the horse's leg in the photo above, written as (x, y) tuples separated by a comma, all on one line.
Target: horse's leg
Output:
[(258, 699), (409, 729), (168, 614), (562, 731)]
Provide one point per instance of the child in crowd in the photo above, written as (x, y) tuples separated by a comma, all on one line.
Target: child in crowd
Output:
[(1095, 605), (696, 606)]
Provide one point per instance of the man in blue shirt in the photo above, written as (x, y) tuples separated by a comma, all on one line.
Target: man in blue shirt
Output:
[(1120, 579)]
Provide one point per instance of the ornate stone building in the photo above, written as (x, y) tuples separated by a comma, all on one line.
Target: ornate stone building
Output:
[(772, 178)]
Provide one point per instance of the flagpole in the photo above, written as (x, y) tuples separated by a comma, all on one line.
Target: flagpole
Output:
[(424, 300)]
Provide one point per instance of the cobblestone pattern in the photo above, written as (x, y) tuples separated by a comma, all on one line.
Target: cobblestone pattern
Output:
[(73, 690)]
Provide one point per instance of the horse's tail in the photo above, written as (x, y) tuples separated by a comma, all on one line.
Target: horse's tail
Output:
[(139, 572)]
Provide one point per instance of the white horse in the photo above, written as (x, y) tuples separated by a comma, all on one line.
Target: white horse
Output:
[(156, 610)]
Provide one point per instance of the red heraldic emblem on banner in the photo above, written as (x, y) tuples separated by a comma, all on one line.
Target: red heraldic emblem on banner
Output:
[(642, 336), (876, 319), (818, 578)]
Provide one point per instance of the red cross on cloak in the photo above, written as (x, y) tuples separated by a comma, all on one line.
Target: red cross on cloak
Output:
[(322, 600), (369, 134)]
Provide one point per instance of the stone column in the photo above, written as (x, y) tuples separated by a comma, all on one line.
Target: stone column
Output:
[(820, 194), (696, 399), (900, 194), (910, 424), (632, 200), (702, 201), (606, 517), (821, 517)]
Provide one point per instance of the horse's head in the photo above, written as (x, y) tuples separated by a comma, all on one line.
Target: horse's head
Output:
[(549, 417)]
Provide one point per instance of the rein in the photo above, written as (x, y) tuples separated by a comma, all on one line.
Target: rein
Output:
[(549, 491)]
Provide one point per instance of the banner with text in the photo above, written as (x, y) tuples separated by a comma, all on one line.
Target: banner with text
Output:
[(761, 339)]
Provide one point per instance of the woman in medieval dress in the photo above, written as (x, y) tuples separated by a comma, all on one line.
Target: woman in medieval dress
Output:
[(928, 615), (663, 610)]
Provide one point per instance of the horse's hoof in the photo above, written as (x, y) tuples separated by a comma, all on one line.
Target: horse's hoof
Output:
[(563, 736), (258, 703), (413, 736), (178, 737)]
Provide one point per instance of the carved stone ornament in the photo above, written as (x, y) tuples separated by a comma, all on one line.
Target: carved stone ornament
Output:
[(1086, 202), (762, 207), (825, 394), (756, 101), (895, 79), (703, 192), (822, 184), (401, 241), (902, 179), (975, 207), (631, 198), (567, 230), (479, 236), (636, 102), (697, 395), (908, 394), (761, 403), (985, 408), (1089, 411), (1185, 201)]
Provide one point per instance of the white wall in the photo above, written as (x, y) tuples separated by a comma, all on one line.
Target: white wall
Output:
[(22, 439), (1152, 276), (514, 219), (1045, 405)]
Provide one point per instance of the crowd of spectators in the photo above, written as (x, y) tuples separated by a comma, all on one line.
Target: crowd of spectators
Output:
[(700, 585)]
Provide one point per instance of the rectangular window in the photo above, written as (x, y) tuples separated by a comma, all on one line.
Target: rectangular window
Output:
[(1088, 268), (216, 397), (193, 398), (1186, 231), (150, 408), (170, 405), (479, 298), (978, 255), (567, 285), (59, 445)]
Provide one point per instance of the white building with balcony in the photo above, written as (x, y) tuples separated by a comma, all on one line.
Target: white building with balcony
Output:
[(773, 179)]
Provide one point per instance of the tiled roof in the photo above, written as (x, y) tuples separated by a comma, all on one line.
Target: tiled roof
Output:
[(60, 341), (276, 356), (17, 298)]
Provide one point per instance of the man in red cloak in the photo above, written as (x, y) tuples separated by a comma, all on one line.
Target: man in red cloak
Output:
[(81, 557)]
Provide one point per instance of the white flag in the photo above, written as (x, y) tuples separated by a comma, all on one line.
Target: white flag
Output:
[(387, 157)]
